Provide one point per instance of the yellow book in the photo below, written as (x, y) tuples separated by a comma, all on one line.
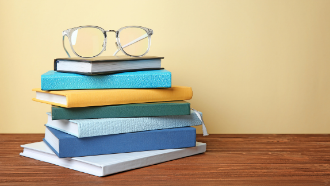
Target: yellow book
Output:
[(101, 97)]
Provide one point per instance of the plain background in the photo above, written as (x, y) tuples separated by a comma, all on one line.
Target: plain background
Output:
[(255, 66)]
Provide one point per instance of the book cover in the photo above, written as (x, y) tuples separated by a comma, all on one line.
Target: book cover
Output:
[(107, 64), (101, 97), (123, 111), (98, 127), (53, 80), (103, 165), (65, 145)]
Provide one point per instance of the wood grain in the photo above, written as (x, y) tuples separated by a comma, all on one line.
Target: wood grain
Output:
[(229, 160)]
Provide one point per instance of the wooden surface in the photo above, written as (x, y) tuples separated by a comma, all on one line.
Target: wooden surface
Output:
[(229, 160)]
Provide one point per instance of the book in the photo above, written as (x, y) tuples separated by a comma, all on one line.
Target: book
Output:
[(65, 145), (53, 80), (100, 97), (103, 165), (107, 64), (123, 111), (82, 128)]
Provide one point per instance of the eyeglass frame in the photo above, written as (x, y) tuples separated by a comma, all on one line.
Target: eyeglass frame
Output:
[(69, 32)]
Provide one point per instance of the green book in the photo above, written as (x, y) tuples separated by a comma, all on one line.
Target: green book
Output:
[(171, 108)]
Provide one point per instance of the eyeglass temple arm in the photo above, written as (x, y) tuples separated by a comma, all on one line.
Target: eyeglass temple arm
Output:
[(65, 48), (132, 42)]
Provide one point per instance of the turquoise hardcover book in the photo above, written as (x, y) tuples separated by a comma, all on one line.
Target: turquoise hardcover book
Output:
[(82, 128), (53, 80)]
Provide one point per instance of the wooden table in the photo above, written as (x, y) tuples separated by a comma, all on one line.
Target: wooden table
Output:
[(229, 160)]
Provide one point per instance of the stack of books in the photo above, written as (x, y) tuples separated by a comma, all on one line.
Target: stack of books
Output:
[(103, 123)]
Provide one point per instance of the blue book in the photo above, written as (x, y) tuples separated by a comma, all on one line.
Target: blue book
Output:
[(65, 145), (53, 80)]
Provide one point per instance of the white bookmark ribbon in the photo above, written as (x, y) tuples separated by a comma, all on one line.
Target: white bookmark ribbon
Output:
[(203, 125)]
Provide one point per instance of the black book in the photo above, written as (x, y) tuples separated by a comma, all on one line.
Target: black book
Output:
[(107, 64)]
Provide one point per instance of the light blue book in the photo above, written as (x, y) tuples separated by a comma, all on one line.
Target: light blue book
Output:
[(98, 127), (53, 80)]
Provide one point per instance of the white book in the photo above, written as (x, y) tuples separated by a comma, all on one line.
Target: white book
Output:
[(107, 64), (103, 165)]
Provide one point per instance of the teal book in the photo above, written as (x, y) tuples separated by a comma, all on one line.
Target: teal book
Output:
[(83, 128), (123, 111), (53, 80)]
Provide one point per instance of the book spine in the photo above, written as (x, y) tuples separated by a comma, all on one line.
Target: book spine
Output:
[(129, 142), (122, 111), (55, 64), (67, 81)]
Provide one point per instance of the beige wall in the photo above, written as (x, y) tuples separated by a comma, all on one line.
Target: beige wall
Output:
[(255, 66)]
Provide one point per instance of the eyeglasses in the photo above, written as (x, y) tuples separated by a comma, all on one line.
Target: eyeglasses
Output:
[(90, 41)]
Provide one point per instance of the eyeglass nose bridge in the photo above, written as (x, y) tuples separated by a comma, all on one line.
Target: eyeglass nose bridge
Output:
[(105, 35), (112, 31)]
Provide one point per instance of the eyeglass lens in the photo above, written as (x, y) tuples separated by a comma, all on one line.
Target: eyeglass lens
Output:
[(134, 41), (87, 42)]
